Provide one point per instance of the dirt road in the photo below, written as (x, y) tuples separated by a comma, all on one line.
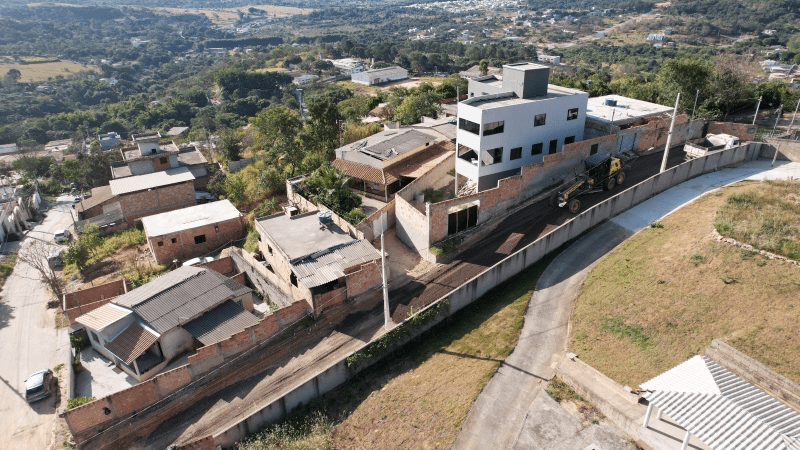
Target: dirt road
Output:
[(29, 342), (239, 399)]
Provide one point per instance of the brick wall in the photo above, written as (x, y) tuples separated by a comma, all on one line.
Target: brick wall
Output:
[(181, 245), (366, 277), (412, 225), (743, 131), (258, 275), (93, 294), (223, 265), (371, 227), (146, 203), (72, 314)]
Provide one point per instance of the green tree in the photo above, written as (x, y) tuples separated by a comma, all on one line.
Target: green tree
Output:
[(230, 145), (278, 133), (236, 190), (685, 76), (417, 105), (329, 186), (484, 66)]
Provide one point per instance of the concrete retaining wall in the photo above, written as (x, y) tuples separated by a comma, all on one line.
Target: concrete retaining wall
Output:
[(756, 373)]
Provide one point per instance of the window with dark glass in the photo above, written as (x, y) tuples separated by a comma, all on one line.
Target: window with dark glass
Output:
[(553, 146), (537, 148), (594, 149), (493, 128), (469, 126), (200, 239), (572, 114), (569, 140), (539, 120), (492, 156), (516, 153)]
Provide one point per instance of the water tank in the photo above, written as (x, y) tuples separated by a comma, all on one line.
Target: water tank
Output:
[(419, 196), (611, 102), (324, 217)]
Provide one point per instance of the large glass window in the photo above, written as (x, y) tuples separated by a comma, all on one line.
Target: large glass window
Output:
[(516, 153), (572, 114), (492, 156), (553, 146), (537, 148), (539, 120), (493, 128), (469, 126)]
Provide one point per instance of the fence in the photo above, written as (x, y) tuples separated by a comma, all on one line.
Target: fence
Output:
[(337, 372)]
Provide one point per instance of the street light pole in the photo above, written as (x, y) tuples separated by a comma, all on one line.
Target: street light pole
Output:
[(757, 106), (669, 136), (695, 103)]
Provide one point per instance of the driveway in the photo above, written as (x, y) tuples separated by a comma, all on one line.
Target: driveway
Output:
[(29, 342), (502, 408)]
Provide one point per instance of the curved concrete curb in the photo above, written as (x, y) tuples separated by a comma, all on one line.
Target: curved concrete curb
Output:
[(497, 416)]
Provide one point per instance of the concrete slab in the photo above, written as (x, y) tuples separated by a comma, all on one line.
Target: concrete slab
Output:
[(302, 235), (549, 426), (100, 377)]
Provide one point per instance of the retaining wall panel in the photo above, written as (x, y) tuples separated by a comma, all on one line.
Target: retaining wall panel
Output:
[(334, 376), (642, 191), (535, 252), (740, 154), (696, 167), (622, 202), (462, 296), (557, 237), (681, 173), (712, 162), (301, 395), (582, 222), (726, 158), (662, 182)]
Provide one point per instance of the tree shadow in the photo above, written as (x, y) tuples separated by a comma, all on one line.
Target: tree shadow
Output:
[(6, 313)]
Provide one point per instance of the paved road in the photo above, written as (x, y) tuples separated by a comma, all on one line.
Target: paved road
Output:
[(500, 411), (29, 342)]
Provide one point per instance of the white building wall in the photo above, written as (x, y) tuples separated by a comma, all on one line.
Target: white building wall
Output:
[(519, 130)]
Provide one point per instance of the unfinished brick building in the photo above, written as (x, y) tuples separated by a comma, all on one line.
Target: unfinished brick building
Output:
[(194, 231), (152, 154), (154, 193)]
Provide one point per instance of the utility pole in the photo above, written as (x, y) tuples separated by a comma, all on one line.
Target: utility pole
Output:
[(757, 106), (780, 111), (386, 317), (695, 103), (793, 116), (669, 136)]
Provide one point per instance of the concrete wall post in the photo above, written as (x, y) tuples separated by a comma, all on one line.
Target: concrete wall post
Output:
[(685, 443), (647, 414)]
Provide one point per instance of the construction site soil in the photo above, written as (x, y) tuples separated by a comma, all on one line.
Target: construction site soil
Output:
[(243, 387)]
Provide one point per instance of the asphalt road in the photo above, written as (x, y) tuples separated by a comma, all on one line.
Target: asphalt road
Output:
[(29, 342)]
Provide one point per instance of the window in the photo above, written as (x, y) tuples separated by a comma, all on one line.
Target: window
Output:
[(516, 153), (200, 239), (269, 249), (539, 120), (537, 148), (293, 279), (174, 240), (569, 140), (468, 126), (492, 156), (160, 243), (162, 160), (493, 128), (594, 149), (572, 114), (553, 146), (152, 151)]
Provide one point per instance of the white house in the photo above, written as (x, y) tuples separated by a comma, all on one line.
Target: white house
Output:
[(513, 120), (555, 60), (656, 37), (378, 76), (304, 79)]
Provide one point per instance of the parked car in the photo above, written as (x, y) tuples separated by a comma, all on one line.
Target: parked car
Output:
[(199, 260), (39, 385), (62, 236), (56, 259), (77, 199), (203, 197)]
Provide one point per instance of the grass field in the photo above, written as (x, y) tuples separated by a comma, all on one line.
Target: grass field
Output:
[(230, 16), (43, 71), (666, 293), (417, 397)]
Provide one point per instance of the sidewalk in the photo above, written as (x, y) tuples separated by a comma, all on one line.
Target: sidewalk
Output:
[(499, 413)]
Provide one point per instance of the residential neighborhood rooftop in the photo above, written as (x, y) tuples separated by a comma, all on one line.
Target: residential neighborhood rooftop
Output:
[(220, 323), (137, 183), (324, 267), (103, 316), (188, 218), (621, 110), (387, 144), (510, 98), (99, 195), (302, 236)]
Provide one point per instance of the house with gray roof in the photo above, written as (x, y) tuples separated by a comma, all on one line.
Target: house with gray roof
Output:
[(145, 329), (153, 193), (150, 154), (310, 258)]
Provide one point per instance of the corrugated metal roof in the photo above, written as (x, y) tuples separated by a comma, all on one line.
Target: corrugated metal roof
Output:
[(131, 343), (99, 195), (723, 410), (180, 296), (188, 218), (329, 265), (137, 183), (220, 323), (103, 316), (113, 214)]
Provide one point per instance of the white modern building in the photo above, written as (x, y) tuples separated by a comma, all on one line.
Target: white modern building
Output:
[(378, 76), (514, 120), (555, 60)]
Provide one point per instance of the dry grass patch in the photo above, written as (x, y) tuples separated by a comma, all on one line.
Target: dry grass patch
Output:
[(666, 293), (418, 396), (43, 71)]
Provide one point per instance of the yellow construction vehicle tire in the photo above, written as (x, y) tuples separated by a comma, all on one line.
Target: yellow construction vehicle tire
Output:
[(574, 206), (620, 177), (609, 183)]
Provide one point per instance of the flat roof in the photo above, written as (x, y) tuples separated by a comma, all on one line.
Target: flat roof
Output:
[(137, 183), (389, 144), (188, 218), (509, 98), (627, 109), (302, 236)]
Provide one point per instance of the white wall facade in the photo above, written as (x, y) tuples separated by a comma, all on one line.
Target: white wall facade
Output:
[(519, 131)]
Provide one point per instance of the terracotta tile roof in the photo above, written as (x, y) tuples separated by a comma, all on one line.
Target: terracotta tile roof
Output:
[(131, 343), (364, 172)]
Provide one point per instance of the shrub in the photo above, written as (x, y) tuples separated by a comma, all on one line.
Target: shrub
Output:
[(78, 401)]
